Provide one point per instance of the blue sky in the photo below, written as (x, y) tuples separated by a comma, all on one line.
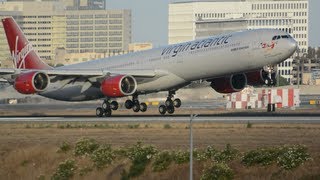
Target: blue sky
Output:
[(150, 20)]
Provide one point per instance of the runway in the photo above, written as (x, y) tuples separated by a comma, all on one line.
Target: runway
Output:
[(152, 119)]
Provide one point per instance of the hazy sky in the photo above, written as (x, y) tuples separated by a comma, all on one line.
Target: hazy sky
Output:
[(150, 20)]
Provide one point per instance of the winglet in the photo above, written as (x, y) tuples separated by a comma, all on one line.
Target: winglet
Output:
[(23, 54)]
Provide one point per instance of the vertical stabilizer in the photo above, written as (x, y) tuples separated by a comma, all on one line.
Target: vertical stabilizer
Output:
[(23, 54)]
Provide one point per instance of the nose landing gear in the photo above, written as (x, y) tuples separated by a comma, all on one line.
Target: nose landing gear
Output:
[(271, 71)]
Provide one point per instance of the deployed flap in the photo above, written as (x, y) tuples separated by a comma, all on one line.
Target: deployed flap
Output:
[(7, 71), (3, 80), (133, 72)]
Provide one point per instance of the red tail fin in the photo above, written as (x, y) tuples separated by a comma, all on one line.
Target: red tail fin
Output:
[(24, 56)]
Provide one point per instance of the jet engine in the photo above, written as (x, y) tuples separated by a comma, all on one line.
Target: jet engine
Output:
[(118, 86), (229, 84), (262, 77), (31, 82)]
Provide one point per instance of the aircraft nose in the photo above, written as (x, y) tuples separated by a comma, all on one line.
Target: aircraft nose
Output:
[(293, 45)]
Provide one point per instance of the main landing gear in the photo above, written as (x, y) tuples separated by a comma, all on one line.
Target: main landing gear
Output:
[(106, 108), (135, 105), (169, 105)]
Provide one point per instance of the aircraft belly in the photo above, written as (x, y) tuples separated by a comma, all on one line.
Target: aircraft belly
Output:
[(72, 92), (163, 83)]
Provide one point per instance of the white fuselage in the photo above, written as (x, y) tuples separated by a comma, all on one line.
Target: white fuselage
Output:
[(185, 62)]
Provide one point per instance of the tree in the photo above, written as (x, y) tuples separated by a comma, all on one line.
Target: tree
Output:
[(318, 52), (282, 81), (311, 52)]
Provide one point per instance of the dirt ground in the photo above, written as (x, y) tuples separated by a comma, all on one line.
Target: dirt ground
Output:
[(38, 143)]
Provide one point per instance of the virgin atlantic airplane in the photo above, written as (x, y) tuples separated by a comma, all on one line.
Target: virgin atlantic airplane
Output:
[(228, 61)]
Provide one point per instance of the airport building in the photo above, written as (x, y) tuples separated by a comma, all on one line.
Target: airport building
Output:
[(78, 26), (200, 19)]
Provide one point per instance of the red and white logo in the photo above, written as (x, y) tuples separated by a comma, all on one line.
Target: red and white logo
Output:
[(268, 45), (19, 57), (23, 54)]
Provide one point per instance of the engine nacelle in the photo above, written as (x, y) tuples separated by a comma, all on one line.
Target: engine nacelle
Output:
[(31, 82), (229, 84), (261, 77), (119, 86)]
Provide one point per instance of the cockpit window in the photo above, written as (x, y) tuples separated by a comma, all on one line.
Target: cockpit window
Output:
[(285, 37), (279, 37), (276, 37)]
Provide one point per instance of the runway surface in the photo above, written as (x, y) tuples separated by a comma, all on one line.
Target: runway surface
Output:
[(227, 119)]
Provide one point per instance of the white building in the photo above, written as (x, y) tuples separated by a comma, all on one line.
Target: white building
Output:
[(78, 26), (185, 19)]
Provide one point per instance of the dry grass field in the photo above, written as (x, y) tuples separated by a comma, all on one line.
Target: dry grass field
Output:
[(29, 150)]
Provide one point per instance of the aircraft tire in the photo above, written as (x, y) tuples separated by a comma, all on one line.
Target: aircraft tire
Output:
[(105, 105), (108, 112), (162, 109), (170, 109), (99, 112), (177, 103), (136, 107), (128, 104), (143, 107), (169, 102), (114, 105)]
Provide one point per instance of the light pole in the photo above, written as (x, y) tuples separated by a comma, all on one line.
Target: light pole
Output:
[(192, 116)]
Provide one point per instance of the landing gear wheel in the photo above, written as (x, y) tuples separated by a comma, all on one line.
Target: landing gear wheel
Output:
[(143, 107), (114, 105), (136, 107), (107, 112), (99, 112), (177, 103), (162, 109), (170, 109), (267, 81), (105, 105), (168, 102), (270, 82), (128, 104)]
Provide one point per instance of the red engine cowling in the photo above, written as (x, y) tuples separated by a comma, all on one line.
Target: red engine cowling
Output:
[(119, 86), (256, 78), (260, 77), (229, 84), (31, 82)]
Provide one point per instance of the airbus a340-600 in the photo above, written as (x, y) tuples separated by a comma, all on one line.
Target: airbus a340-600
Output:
[(229, 61)]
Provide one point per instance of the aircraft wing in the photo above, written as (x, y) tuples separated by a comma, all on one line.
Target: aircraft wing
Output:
[(101, 72), (86, 73)]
